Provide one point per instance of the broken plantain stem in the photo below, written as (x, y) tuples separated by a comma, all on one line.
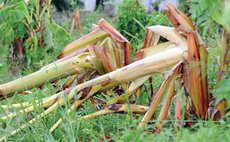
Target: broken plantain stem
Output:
[(54, 71), (151, 64), (160, 94), (116, 108)]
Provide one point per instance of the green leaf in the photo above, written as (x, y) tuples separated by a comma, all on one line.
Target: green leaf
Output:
[(226, 17), (217, 16), (223, 91), (204, 5)]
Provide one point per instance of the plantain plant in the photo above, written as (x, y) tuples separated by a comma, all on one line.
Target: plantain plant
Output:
[(101, 60)]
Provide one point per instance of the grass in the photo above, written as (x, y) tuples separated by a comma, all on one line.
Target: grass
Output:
[(117, 127), (112, 127)]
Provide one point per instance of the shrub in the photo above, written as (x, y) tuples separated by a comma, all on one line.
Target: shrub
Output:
[(131, 16), (133, 19)]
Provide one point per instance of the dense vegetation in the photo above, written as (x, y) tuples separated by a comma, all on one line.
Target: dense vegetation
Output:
[(33, 28)]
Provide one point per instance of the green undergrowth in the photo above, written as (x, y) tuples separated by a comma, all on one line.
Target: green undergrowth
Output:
[(112, 127)]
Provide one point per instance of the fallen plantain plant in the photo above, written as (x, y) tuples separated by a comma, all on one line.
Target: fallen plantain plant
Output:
[(101, 60)]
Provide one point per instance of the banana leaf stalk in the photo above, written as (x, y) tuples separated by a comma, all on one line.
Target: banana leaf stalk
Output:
[(166, 105), (17, 105), (100, 32), (131, 89), (178, 110), (195, 74), (114, 108), (70, 80), (91, 38), (74, 65), (45, 102), (118, 108), (160, 94), (224, 56)]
